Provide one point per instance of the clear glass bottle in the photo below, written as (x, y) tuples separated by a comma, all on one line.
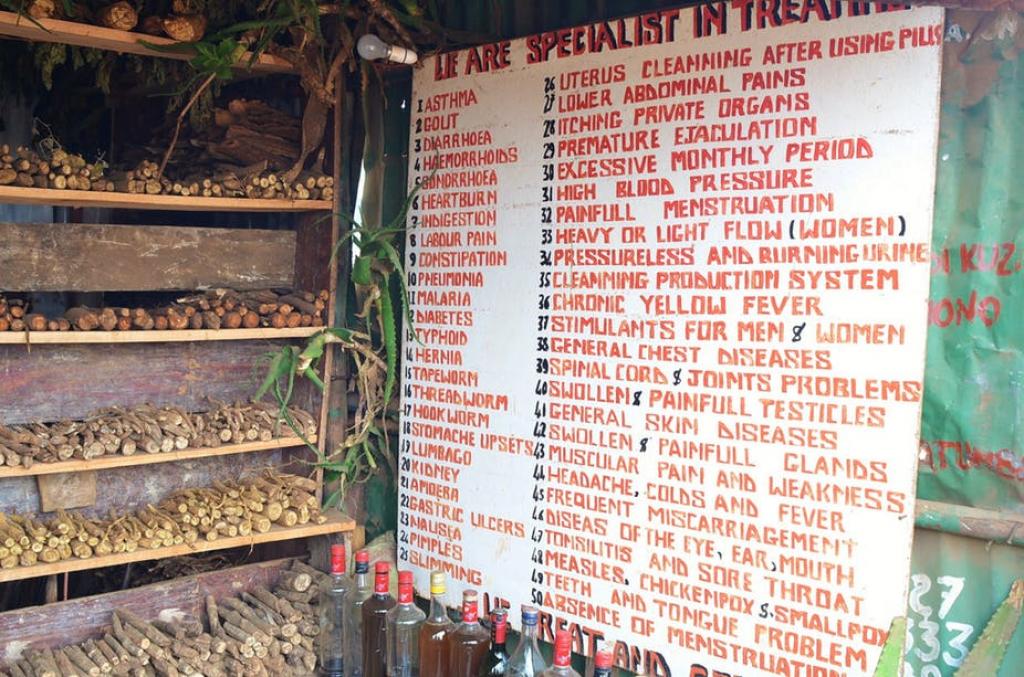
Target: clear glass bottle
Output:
[(467, 643), (403, 631), (333, 622), (375, 623), (362, 588), (603, 664), (497, 658), (527, 660), (562, 666), (434, 633)]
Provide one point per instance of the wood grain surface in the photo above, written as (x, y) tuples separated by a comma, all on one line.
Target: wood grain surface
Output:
[(51, 383), (83, 257)]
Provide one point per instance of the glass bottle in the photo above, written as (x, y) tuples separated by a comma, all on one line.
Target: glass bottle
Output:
[(362, 588), (403, 631), (563, 657), (603, 664), (434, 633), (497, 658), (375, 623), (527, 660), (467, 643), (333, 622)]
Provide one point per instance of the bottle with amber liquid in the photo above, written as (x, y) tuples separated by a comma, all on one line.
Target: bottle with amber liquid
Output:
[(468, 642), (496, 661), (562, 666), (435, 630), (375, 624)]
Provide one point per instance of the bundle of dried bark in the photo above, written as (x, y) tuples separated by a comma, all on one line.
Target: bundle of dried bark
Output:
[(248, 132)]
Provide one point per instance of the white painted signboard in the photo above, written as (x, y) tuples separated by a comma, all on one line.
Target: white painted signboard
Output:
[(669, 277)]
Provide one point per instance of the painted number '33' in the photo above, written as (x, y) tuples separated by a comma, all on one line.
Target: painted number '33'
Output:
[(924, 623)]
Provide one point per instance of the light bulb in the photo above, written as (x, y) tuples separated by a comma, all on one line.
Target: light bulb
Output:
[(371, 48)]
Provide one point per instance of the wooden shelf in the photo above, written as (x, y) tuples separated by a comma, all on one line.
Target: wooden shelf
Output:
[(39, 338), (126, 42), (336, 523), (87, 198), (142, 458)]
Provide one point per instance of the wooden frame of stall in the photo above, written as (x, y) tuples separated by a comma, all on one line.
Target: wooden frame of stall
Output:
[(66, 375)]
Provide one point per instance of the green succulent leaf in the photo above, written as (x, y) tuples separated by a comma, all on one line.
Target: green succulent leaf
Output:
[(361, 272), (388, 324), (987, 654), (280, 365)]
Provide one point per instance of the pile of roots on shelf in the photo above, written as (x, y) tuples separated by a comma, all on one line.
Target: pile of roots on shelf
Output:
[(262, 632), (150, 430), (25, 167), (224, 510), (256, 183), (58, 169), (183, 23), (250, 150), (214, 309)]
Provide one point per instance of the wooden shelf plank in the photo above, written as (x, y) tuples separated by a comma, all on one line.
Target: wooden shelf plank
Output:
[(336, 523), (87, 198), (141, 458), (126, 42), (38, 338)]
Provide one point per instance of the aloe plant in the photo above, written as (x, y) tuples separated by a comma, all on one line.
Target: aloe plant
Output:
[(986, 656), (892, 651), (378, 275)]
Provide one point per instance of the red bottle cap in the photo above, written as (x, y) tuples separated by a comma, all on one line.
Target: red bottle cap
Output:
[(603, 659), (363, 556), (469, 608), (380, 581), (563, 649), (338, 558), (405, 587), (499, 625)]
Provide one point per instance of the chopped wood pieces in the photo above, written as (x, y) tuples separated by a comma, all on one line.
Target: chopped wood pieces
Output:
[(148, 430), (25, 167), (261, 184), (262, 151), (120, 16), (259, 633), (226, 509), (214, 309)]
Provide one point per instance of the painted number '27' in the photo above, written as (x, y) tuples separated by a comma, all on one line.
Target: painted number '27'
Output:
[(923, 646)]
